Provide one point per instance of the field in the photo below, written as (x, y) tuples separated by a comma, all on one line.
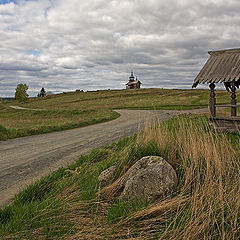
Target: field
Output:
[(65, 111), (205, 204)]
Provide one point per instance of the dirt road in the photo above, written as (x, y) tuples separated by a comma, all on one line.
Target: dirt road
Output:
[(23, 160)]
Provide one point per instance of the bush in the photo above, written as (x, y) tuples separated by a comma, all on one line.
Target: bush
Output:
[(21, 92)]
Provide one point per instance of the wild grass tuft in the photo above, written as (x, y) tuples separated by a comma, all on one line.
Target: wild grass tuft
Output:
[(119, 210), (38, 190)]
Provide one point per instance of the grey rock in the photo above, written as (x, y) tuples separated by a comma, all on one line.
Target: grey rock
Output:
[(70, 171), (149, 178), (107, 176)]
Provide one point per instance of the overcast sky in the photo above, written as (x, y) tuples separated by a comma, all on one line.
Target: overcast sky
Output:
[(64, 45)]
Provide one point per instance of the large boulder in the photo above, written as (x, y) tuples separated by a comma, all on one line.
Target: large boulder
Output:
[(107, 176), (149, 178)]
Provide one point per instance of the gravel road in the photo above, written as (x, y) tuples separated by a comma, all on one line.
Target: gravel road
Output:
[(24, 160)]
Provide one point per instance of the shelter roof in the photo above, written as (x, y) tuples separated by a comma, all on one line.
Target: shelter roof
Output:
[(222, 66)]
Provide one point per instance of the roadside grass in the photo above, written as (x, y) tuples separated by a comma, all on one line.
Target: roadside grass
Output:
[(71, 110), (204, 205), (17, 123)]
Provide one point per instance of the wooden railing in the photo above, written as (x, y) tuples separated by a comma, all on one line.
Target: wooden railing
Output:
[(212, 101), (228, 105), (233, 109)]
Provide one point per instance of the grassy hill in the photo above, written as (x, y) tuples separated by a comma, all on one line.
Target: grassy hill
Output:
[(65, 111), (205, 204)]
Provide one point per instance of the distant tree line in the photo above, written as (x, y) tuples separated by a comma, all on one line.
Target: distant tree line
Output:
[(22, 96), (21, 93)]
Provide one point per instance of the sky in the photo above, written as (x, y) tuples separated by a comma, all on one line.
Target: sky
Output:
[(94, 44)]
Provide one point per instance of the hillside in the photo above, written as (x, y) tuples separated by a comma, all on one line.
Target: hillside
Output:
[(204, 205), (65, 111)]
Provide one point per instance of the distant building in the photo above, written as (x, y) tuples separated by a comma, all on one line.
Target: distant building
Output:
[(132, 83)]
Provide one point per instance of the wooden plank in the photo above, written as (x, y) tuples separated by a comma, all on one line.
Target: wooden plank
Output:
[(228, 118), (227, 105)]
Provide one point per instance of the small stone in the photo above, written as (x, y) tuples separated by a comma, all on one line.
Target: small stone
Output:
[(107, 176), (70, 171)]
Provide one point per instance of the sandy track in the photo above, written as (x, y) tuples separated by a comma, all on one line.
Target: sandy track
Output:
[(22, 108), (23, 160)]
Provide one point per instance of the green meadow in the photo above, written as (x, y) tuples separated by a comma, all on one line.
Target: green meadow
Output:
[(71, 110)]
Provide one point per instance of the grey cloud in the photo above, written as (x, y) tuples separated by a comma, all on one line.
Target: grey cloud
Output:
[(94, 44), (21, 68)]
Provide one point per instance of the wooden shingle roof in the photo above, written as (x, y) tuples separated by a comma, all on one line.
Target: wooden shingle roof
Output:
[(222, 66)]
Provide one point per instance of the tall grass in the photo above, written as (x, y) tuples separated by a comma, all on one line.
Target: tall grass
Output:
[(204, 205)]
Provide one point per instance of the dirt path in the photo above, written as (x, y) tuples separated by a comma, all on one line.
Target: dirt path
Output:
[(22, 108), (23, 160)]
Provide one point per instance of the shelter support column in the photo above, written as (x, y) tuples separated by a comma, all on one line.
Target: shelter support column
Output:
[(233, 100), (212, 100)]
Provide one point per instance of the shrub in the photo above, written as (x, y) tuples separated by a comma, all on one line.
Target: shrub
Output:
[(21, 92)]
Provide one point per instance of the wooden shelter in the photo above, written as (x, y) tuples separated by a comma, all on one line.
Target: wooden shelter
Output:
[(222, 67)]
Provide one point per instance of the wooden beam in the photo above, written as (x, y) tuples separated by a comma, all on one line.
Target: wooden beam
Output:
[(227, 105), (212, 101), (233, 100)]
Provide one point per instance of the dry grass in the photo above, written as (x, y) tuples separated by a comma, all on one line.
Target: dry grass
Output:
[(207, 203)]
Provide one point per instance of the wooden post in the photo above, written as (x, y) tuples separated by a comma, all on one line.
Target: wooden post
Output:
[(212, 101), (233, 100)]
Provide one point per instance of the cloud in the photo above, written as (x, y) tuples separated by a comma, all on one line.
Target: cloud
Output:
[(94, 44)]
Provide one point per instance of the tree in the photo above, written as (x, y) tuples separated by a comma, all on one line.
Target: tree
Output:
[(42, 93), (21, 93)]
